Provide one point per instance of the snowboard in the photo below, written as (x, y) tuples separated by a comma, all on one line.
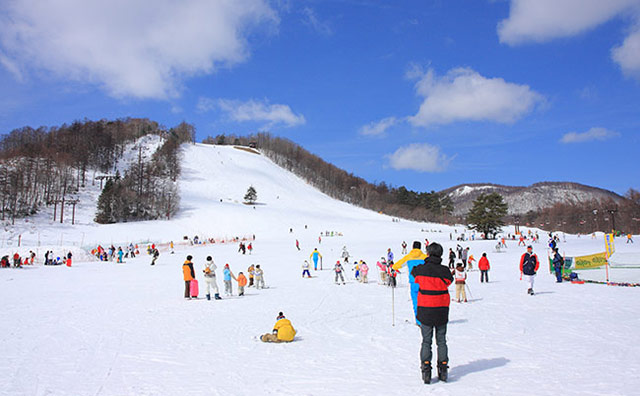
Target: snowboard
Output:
[(193, 286)]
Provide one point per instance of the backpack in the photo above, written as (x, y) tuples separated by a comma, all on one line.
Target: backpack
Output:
[(529, 266)]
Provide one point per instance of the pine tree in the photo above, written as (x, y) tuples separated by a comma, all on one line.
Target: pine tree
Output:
[(487, 213), (251, 196), (104, 214)]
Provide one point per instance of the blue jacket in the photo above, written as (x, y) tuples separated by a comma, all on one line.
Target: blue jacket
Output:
[(227, 274)]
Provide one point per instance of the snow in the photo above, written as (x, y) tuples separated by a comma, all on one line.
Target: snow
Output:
[(125, 329), (464, 190)]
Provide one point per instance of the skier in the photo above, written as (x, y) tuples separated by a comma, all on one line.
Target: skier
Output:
[(156, 253), (283, 331), (464, 255), (470, 262), (170, 245), (120, 254), (558, 263), (189, 275), (390, 255), (305, 269), (452, 259), (484, 267), (382, 267), (297, 245), (404, 247), (521, 240), (529, 265), (460, 277), (629, 238), (250, 247), (210, 278), (433, 280), (392, 275), (242, 282), (339, 270), (315, 256), (227, 275), (259, 274), (356, 268), (251, 270), (345, 254), (415, 257), (364, 272)]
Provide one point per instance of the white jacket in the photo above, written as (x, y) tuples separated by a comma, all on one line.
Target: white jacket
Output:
[(212, 269)]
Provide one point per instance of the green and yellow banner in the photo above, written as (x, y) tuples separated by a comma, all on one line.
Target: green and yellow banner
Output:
[(590, 261)]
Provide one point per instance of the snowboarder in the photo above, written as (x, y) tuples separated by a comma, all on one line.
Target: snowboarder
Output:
[(315, 256), (339, 270), (283, 331), (189, 275), (433, 281), (460, 277), (415, 257), (558, 263), (210, 278), (305, 269), (259, 274), (529, 265), (484, 267)]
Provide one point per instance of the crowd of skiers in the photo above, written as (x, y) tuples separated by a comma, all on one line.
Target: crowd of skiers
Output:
[(18, 261)]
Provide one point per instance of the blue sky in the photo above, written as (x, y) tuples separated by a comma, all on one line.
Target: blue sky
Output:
[(426, 94)]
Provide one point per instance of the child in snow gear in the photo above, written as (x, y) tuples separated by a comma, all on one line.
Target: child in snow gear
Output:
[(227, 275), (210, 278), (382, 267), (188, 275), (433, 281), (461, 277), (305, 269), (251, 270), (415, 257), (283, 331), (529, 265), (339, 270), (364, 272), (392, 274), (484, 267), (242, 282), (259, 274), (558, 263)]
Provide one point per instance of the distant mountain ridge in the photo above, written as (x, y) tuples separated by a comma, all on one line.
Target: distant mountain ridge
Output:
[(522, 199)]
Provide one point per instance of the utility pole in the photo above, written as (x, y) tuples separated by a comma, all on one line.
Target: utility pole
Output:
[(612, 212)]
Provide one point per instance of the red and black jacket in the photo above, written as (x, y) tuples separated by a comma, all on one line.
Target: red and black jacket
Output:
[(433, 297)]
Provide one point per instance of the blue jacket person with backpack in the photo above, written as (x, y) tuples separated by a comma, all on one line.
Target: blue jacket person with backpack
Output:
[(558, 263)]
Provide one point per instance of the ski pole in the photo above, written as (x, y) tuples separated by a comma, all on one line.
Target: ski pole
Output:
[(469, 290), (393, 307)]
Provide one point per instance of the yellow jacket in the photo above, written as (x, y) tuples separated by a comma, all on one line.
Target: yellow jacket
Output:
[(285, 330), (415, 254)]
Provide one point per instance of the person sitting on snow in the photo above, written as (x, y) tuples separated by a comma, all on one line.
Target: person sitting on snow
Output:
[(283, 331)]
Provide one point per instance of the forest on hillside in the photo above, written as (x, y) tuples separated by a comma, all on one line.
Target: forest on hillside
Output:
[(48, 166), (342, 185)]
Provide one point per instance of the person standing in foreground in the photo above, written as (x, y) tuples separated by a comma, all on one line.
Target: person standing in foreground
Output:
[(189, 275), (415, 257), (529, 265), (433, 280)]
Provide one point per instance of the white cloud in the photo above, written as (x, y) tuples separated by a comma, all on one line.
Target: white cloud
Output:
[(130, 48), (463, 94), (544, 20), (420, 157), (378, 128), (311, 19), (596, 133), (627, 55), (253, 110)]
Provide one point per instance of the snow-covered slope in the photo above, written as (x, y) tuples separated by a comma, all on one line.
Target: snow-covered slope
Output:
[(125, 329)]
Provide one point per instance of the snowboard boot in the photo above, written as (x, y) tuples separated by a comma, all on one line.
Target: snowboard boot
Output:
[(426, 371), (208, 297), (217, 296), (442, 371)]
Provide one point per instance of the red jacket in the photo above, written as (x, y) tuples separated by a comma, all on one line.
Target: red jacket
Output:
[(433, 280), (483, 264)]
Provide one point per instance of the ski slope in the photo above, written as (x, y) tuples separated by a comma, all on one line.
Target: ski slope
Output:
[(125, 329)]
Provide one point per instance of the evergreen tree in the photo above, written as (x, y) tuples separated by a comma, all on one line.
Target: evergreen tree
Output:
[(104, 213), (251, 196), (487, 213)]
